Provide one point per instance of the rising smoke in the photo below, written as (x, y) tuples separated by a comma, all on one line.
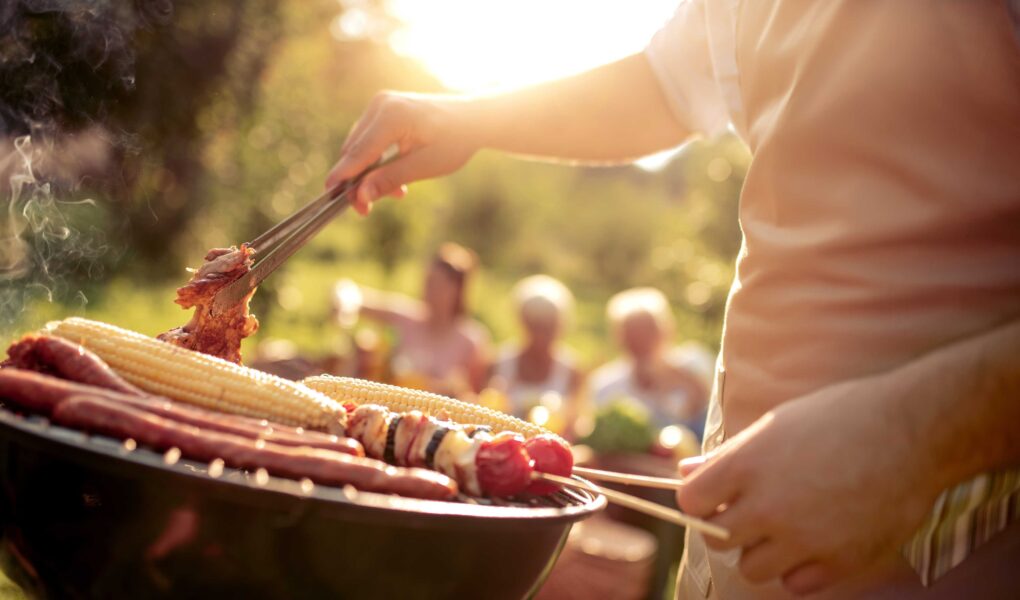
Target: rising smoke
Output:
[(64, 65)]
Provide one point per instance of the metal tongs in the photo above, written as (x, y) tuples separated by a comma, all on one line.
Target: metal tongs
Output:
[(285, 238)]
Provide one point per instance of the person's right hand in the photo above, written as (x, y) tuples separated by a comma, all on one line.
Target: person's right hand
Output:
[(430, 131)]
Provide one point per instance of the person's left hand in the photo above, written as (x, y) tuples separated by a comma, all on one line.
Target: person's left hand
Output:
[(817, 489)]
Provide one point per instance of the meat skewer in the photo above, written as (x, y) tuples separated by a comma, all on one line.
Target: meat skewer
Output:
[(480, 462), (355, 392), (500, 465)]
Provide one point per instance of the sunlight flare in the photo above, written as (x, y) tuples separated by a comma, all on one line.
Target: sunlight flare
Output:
[(481, 45)]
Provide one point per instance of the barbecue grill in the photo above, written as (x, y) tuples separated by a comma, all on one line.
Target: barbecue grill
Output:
[(90, 516)]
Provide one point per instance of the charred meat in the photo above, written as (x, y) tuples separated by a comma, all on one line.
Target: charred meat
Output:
[(218, 335)]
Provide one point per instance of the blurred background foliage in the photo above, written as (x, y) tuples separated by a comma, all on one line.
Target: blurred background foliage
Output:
[(235, 116)]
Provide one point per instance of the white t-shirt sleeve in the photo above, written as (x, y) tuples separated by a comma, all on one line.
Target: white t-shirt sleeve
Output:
[(681, 56)]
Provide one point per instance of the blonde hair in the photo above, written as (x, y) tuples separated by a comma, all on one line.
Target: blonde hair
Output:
[(542, 298), (640, 301)]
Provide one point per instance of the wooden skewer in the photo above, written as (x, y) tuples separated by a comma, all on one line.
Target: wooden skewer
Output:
[(641, 505), (664, 483)]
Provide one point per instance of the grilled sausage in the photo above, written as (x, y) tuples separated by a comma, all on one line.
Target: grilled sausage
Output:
[(39, 393), (57, 356), (101, 415), (246, 427), (36, 392)]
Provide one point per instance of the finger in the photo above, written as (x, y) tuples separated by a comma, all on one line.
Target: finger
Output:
[(809, 578), (688, 466), (744, 529), (334, 178), (768, 560), (390, 178), (713, 484), (355, 131), (359, 126), (364, 149), (360, 204)]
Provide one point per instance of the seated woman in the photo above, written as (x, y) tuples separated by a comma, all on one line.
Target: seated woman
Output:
[(440, 348), (539, 371), (672, 382)]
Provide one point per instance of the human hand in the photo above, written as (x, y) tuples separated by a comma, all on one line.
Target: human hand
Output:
[(430, 132), (817, 489)]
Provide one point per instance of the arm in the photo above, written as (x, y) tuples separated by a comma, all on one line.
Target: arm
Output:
[(899, 438), (393, 309), (613, 113), (963, 404)]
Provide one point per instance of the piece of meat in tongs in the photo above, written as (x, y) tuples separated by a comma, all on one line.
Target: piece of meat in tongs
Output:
[(218, 333), (223, 286)]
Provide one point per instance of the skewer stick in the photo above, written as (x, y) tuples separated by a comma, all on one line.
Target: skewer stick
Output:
[(664, 483), (641, 505)]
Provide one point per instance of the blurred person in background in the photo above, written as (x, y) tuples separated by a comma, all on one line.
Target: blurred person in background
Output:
[(862, 436), (540, 378), (440, 348), (671, 382)]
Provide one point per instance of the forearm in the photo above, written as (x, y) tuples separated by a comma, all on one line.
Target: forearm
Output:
[(613, 113), (960, 405), (388, 307)]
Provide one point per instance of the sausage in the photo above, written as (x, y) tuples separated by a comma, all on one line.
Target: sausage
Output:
[(245, 427), (39, 393), (35, 392), (101, 415), (57, 356)]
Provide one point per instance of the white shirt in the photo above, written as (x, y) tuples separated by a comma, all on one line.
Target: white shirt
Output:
[(881, 209)]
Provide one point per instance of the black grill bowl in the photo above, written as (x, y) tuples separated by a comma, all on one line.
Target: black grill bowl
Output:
[(83, 517)]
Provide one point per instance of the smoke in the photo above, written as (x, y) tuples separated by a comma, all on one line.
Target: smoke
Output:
[(65, 66), (41, 249), (65, 63)]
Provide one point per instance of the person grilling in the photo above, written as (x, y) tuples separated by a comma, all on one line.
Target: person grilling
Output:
[(862, 436)]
